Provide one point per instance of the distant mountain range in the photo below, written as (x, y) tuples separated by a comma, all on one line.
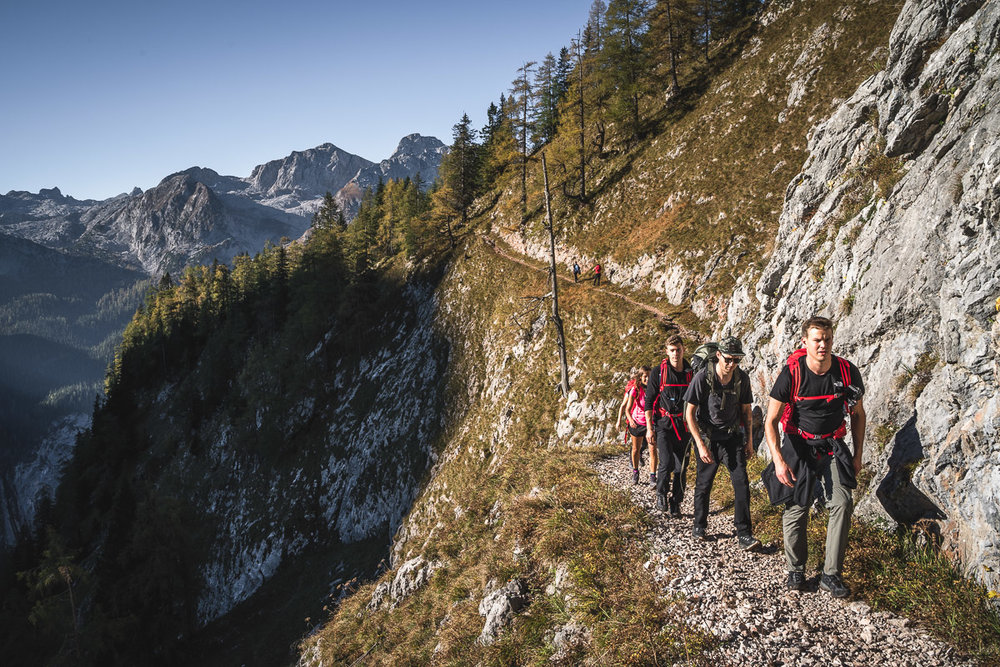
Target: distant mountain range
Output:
[(72, 273), (198, 215)]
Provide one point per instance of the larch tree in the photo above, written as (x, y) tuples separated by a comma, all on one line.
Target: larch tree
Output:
[(624, 61), (521, 93)]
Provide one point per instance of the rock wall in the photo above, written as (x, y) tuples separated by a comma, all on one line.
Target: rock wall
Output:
[(891, 228)]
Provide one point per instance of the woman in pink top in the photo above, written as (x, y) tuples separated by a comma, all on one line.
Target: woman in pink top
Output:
[(635, 412)]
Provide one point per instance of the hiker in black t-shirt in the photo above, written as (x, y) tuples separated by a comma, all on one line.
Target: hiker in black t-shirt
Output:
[(665, 425), (810, 398), (719, 396)]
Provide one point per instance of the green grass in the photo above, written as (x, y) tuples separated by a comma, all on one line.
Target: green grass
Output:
[(892, 571), (551, 512)]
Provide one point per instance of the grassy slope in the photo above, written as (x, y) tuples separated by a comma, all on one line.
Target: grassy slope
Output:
[(711, 176), (505, 501), (508, 500)]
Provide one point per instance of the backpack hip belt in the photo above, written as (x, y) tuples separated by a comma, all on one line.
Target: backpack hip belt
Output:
[(673, 424)]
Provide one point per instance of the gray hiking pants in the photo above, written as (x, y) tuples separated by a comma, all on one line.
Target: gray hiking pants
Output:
[(840, 502)]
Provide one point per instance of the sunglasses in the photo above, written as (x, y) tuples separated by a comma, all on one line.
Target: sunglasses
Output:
[(731, 360)]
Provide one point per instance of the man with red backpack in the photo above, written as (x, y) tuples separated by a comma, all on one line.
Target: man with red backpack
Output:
[(665, 426), (810, 398)]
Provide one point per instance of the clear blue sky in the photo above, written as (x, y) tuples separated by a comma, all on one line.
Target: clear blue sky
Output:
[(100, 97)]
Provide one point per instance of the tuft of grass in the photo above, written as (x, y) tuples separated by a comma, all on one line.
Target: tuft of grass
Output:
[(893, 571), (882, 435), (847, 305), (917, 377), (923, 370)]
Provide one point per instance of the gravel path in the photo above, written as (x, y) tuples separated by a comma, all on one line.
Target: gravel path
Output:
[(740, 597), (588, 283)]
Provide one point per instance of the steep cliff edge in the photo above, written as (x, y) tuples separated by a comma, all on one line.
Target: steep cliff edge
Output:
[(891, 229)]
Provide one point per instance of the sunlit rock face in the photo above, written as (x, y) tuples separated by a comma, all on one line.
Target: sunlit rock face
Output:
[(891, 230)]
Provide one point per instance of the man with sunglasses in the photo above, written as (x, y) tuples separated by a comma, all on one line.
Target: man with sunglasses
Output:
[(719, 402)]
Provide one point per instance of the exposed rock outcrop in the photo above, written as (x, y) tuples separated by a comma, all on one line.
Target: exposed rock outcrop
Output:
[(499, 607), (891, 229)]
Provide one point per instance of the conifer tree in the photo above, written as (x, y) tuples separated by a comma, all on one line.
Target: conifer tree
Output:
[(564, 68), (546, 102), (669, 22), (460, 168), (499, 145), (521, 94), (625, 62), (594, 30)]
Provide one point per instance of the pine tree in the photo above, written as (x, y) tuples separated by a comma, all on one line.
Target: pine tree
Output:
[(625, 62), (521, 94)]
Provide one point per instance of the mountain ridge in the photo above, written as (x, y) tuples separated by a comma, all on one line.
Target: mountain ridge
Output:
[(180, 223)]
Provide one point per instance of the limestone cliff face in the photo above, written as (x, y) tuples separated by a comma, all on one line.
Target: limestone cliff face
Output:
[(891, 228)]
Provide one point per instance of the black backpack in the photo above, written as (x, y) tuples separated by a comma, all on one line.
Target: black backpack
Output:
[(704, 357)]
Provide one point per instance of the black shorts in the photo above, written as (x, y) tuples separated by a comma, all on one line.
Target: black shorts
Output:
[(639, 431)]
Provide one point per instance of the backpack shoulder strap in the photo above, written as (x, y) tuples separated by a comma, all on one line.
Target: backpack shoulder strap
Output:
[(663, 375)]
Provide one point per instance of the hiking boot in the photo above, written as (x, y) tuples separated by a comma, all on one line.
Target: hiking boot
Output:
[(796, 581), (675, 508), (834, 585), (652, 478), (698, 533), (748, 542), (635, 475), (661, 502)]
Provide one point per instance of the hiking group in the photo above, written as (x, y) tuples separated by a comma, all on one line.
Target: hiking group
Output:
[(708, 402), (596, 271)]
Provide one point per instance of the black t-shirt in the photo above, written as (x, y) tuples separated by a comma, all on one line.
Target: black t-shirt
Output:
[(817, 416), (671, 400), (721, 415)]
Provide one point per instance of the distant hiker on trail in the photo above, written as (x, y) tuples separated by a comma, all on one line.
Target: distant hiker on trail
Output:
[(719, 398), (597, 275), (666, 429), (635, 413), (576, 272), (810, 398)]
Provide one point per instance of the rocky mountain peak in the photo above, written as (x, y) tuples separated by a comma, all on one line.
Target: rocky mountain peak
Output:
[(307, 174)]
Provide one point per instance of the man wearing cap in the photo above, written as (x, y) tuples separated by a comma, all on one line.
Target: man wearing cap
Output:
[(719, 400)]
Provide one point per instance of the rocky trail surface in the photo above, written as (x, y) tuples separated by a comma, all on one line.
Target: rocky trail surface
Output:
[(740, 597)]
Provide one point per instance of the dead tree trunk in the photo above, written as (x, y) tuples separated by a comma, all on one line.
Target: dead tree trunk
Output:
[(560, 335)]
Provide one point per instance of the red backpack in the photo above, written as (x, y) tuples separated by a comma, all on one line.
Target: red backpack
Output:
[(660, 412), (788, 421)]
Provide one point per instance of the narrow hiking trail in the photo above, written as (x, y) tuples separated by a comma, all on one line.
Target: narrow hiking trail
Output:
[(740, 597), (519, 259)]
